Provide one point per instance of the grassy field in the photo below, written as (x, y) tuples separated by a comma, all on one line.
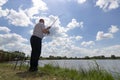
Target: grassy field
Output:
[(48, 72)]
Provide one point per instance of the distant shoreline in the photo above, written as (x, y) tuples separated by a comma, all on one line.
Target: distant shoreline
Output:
[(78, 59)]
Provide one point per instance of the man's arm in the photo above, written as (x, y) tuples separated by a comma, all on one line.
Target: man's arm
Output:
[(46, 30)]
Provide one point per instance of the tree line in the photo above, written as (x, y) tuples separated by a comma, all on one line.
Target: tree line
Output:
[(17, 55), (10, 56), (86, 57)]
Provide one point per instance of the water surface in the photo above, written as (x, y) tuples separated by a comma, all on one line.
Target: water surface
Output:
[(109, 65)]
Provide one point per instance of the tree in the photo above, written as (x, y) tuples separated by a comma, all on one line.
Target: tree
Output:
[(113, 57), (10, 56), (87, 57), (51, 57)]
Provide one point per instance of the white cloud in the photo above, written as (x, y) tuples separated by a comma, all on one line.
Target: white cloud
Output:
[(18, 18), (81, 1), (66, 47), (11, 38), (2, 2), (89, 43), (4, 29), (101, 35), (108, 51), (108, 4), (113, 29), (38, 5), (3, 12), (73, 24), (78, 37), (115, 49), (22, 47), (23, 17), (75, 38), (57, 46), (13, 42)]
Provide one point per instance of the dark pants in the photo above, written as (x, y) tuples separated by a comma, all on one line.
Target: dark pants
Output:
[(36, 51)]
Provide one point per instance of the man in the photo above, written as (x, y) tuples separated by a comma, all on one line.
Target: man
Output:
[(36, 44)]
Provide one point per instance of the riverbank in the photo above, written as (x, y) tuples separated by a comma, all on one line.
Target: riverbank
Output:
[(48, 72)]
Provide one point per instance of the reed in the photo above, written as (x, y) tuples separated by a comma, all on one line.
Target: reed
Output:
[(50, 72)]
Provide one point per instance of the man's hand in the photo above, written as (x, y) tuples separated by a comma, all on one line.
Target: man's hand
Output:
[(48, 27), (48, 32)]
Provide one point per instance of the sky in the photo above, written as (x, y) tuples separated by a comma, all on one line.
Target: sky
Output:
[(83, 27)]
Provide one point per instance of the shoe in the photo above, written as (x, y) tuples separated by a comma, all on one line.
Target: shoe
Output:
[(33, 70)]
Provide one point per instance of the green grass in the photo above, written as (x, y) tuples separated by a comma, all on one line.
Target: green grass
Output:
[(71, 74), (49, 72)]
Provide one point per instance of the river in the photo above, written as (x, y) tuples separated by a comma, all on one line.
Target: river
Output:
[(112, 66)]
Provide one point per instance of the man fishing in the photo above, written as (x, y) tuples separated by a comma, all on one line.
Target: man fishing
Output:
[(36, 44)]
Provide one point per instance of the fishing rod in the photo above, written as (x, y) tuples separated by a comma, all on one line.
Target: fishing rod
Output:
[(52, 23)]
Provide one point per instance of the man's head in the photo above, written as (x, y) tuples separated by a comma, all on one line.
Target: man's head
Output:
[(41, 21)]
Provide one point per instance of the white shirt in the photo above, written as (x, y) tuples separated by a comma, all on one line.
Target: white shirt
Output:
[(38, 30)]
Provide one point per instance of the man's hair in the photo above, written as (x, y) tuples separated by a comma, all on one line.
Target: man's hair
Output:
[(41, 20)]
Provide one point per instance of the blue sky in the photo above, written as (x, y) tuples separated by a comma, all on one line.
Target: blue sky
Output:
[(83, 27)]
